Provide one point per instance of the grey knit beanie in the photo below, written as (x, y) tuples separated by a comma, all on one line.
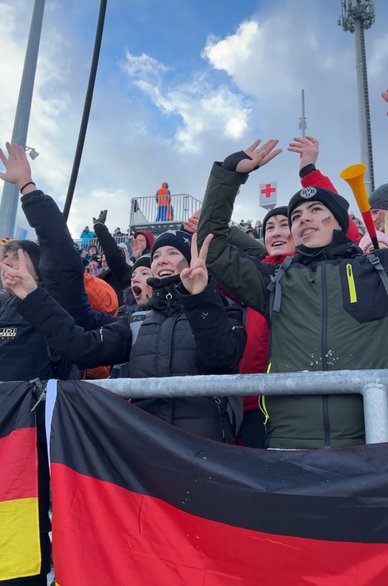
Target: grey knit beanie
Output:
[(379, 198)]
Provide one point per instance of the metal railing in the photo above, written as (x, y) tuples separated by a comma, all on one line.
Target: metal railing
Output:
[(144, 210), (83, 243), (372, 385)]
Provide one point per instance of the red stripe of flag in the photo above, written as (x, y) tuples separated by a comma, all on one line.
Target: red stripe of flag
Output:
[(18, 473), (106, 534)]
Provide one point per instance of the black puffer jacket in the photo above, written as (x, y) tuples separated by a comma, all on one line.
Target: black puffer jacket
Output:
[(23, 350), (183, 334), (24, 354)]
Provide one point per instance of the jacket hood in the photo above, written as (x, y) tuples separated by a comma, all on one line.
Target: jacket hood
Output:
[(165, 297)]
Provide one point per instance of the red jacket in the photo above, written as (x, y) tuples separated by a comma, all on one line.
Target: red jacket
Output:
[(255, 357)]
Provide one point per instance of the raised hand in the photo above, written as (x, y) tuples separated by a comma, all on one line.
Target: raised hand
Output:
[(101, 218), (195, 277), (190, 225), (18, 280), (308, 149), (17, 167), (260, 154)]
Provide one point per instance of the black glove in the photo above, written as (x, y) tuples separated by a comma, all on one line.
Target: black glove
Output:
[(231, 162), (101, 218)]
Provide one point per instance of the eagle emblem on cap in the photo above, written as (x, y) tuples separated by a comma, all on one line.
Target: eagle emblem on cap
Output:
[(308, 192)]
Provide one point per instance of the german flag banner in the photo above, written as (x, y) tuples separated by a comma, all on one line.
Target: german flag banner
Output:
[(137, 501), (20, 554)]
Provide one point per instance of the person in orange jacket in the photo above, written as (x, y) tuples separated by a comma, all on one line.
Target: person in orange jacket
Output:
[(102, 298), (163, 199)]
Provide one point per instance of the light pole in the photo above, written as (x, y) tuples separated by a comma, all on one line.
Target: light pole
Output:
[(358, 15), (10, 199), (302, 119)]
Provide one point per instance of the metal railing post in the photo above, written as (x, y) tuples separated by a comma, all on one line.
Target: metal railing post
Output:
[(375, 398)]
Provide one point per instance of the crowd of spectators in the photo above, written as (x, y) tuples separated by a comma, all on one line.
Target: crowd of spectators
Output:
[(301, 290)]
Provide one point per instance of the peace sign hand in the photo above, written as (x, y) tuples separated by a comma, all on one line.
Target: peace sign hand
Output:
[(18, 280), (195, 277)]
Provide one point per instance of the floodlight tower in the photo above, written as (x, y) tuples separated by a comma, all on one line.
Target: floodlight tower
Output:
[(358, 15)]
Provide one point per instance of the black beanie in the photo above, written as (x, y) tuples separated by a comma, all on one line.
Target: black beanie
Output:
[(337, 204), (32, 248), (179, 239), (379, 198), (279, 211), (142, 261)]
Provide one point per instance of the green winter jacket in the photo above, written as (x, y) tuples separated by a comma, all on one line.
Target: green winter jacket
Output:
[(328, 311)]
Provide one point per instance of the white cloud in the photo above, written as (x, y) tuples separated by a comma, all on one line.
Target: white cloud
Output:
[(201, 108), (188, 113), (228, 54), (205, 114), (143, 67)]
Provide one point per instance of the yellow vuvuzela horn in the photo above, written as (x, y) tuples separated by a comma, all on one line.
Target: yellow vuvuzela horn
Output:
[(354, 176)]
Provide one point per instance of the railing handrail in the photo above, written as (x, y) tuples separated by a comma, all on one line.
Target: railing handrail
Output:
[(86, 242), (144, 210), (371, 384), (140, 197)]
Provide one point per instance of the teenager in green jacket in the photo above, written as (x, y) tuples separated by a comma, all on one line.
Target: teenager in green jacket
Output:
[(327, 306)]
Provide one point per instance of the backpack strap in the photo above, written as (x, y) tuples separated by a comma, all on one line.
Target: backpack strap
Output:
[(275, 288), (376, 264)]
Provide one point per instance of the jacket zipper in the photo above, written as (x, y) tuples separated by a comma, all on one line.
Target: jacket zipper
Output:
[(324, 349), (262, 402), (351, 283)]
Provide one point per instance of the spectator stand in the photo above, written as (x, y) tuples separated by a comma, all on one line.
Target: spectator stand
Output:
[(144, 211)]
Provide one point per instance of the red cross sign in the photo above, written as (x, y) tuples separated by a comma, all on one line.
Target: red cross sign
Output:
[(268, 194)]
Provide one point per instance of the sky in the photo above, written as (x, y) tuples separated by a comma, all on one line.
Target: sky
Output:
[(181, 84)]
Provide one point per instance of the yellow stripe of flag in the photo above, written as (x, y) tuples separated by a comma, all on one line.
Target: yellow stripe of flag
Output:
[(19, 538)]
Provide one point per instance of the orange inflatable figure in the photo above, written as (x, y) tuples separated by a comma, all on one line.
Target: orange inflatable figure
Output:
[(163, 199)]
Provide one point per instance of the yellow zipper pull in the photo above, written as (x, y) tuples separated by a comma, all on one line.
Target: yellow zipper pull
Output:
[(351, 283)]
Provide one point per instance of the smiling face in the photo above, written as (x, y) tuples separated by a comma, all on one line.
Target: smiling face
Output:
[(278, 239), (312, 224), (167, 261), (141, 291), (378, 219), (141, 241)]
